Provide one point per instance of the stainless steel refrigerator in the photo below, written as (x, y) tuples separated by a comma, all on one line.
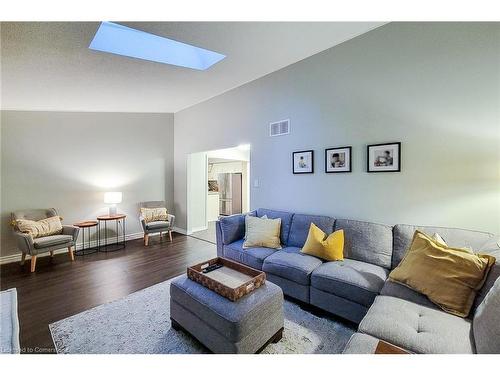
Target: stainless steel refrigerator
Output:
[(230, 193)]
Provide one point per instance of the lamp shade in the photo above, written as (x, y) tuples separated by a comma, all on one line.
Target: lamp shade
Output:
[(113, 197)]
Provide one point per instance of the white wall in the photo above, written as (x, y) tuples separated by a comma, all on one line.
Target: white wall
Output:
[(67, 160), (233, 153), (432, 86), (197, 185)]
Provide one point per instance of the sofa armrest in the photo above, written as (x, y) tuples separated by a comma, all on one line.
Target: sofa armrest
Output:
[(218, 236), (24, 242), (143, 223), (71, 231)]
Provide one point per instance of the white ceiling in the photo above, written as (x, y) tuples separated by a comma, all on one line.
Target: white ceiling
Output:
[(49, 67)]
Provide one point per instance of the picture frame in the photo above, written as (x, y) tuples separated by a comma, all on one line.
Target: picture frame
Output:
[(338, 159), (303, 162), (383, 157)]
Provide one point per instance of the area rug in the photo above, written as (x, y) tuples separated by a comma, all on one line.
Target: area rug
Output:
[(9, 322), (140, 323)]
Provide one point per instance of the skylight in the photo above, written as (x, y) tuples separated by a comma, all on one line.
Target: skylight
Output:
[(125, 41)]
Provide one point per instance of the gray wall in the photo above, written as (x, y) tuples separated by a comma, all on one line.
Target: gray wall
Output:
[(67, 160), (432, 86)]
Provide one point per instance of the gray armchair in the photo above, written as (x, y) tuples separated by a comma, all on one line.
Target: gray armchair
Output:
[(34, 246), (155, 226)]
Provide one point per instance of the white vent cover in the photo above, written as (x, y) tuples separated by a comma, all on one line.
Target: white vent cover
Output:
[(279, 128)]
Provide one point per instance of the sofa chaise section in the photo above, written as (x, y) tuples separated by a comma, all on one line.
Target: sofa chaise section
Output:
[(417, 328), (408, 319)]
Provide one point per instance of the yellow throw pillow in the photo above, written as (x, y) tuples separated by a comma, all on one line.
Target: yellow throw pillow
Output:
[(448, 276), (154, 214), (260, 232), (321, 246), (41, 228)]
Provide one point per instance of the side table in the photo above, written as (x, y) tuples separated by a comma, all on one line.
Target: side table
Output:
[(86, 225), (118, 244)]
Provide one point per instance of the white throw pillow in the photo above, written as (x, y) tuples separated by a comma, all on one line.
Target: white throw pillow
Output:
[(262, 232)]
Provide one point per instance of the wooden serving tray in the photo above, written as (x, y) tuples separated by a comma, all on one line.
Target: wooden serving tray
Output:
[(233, 280)]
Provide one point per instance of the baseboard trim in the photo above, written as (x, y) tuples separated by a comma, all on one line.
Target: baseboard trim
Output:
[(180, 230), (199, 229)]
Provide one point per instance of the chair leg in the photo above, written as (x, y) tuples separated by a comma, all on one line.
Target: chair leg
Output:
[(170, 235), (71, 254), (146, 239), (33, 263), (23, 259)]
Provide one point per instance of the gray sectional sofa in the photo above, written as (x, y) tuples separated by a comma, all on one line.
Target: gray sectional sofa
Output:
[(358, 288)]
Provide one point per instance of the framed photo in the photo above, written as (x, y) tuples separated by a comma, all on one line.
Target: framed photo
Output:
[(303, 162), (384, 157), (338, 160)]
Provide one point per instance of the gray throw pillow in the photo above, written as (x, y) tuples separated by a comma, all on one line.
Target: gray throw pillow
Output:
[(486, 323)]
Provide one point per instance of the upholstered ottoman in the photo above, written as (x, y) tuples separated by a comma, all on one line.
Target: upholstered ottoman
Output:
[(244, 326)]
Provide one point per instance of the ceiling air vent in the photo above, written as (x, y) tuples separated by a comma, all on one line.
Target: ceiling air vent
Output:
[(279, 128)]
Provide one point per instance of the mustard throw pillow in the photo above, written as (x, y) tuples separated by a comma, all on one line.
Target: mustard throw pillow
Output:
[(41, 228), (260, 232), (154, 214), (321, 246), (449, 277)]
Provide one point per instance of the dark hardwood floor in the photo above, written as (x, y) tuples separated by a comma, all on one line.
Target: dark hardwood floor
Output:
[(60, 288)]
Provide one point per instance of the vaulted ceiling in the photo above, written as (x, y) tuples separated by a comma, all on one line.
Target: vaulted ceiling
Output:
[(47, 66)]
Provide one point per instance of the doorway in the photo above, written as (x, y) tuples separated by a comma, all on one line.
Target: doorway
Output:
[(218, 185)]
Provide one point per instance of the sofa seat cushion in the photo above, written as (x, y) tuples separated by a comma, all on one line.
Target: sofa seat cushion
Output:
[(158, 225), (351, 279), (417, 328), (59, 239), (291, 266), (252, 257)]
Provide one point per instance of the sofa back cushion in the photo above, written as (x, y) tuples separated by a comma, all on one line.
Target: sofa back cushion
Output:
[(233, 227), (286, 220), (486, 322), (299, 228), (403, 235), (367, 242)]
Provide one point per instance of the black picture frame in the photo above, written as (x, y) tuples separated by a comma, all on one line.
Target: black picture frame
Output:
[(327, 150), (311, 152), (369, 167)]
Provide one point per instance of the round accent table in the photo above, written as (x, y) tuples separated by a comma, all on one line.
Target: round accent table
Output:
[(87, 225), (106, 221)]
